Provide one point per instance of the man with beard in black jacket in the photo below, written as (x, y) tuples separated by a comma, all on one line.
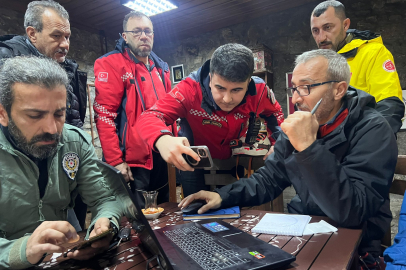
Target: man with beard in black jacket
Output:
[(47, 35), (340, 160)]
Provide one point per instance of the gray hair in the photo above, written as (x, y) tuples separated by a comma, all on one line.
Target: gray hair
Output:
[(35, 9), (133, 14), (43, 72), (234, 62), (339, 9), (338, 68)]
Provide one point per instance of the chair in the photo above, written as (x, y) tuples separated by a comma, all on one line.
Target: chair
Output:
[(213, 179), (88, 85), (398, 187)]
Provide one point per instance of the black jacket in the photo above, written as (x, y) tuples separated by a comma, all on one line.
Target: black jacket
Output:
[(345, 175), (12, 45)]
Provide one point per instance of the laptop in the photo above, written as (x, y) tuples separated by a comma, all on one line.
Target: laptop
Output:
[(206, 244)]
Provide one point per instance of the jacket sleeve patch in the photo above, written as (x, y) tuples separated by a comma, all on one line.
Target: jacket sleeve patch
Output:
[(177, 95), (70, 164), (389, 66), (103, 77)]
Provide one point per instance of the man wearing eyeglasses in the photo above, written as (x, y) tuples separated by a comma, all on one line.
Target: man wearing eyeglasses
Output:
[(340, 160), (372, 65), (129, 80)]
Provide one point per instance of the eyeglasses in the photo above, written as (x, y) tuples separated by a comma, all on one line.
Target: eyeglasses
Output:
[(304, 90), (137, 33)]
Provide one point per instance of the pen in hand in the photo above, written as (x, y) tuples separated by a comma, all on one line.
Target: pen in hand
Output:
[(316, 106)]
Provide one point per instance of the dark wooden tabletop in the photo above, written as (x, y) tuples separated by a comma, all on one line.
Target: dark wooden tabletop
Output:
[(320, 251)]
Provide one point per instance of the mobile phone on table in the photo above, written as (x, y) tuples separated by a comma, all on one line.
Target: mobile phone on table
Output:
[(90, 241), (206, 162)]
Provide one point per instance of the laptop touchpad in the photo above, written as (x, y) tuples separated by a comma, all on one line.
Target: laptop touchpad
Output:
[(242, 240)]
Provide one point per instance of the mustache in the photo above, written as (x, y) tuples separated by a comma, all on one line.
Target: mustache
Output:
[(325, 43), (64, 51), (45, 137), (301, 107)]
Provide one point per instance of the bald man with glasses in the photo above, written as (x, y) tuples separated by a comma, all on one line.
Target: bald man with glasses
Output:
[(129, 80)]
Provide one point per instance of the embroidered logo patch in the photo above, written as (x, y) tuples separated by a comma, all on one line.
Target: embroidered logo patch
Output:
[(211, 122), (271, 95), (177, 95), (70, 164), (103, 77), (389, 66)]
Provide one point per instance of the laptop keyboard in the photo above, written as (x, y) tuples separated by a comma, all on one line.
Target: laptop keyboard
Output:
[(207, 251)]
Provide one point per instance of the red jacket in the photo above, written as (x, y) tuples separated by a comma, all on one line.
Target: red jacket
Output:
[(202, 121), (124, 89)]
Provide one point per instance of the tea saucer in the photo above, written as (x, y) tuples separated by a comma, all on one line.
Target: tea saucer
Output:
[(153, 216)]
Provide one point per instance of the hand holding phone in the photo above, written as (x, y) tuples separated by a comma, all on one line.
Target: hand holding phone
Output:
[(172, 149), (90, 241), (203, 152)]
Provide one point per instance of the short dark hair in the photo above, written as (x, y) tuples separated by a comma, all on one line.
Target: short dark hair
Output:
[(133, 14), (32, 70), (339, 9), (234, 62), (35, 9)]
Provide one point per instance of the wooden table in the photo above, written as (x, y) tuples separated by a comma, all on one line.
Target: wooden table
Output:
[(321, 251)]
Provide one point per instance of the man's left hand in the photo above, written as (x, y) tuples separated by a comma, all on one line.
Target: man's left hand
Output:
[(301, 129), (101, 225)]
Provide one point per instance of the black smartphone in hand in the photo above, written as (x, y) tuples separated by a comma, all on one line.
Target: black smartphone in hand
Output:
[(206, 162), (90, 241)]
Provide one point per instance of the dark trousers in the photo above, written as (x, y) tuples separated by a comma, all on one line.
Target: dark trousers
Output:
[(150, 180), (80, 211), (192, 182)]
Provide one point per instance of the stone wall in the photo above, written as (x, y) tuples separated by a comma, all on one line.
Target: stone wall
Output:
[(288, 34), (85, 48)]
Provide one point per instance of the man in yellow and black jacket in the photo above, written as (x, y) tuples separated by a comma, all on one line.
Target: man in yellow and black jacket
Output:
[(372, 66)]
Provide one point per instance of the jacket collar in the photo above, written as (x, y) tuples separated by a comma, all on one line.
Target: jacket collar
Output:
[(208, 104), (355, 100), (355, 39)]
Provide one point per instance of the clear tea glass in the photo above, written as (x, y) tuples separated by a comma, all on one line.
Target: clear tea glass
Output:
[(150, 202)]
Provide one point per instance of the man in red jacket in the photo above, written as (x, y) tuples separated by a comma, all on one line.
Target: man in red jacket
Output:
[(129, 80), (214, 104)]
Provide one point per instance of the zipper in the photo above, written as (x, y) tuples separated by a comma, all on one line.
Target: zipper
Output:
[(150, 75), (41, 216)]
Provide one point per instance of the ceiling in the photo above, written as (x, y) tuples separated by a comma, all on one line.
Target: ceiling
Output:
[(190, 18)]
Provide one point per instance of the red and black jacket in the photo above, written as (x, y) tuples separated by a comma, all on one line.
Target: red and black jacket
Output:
[(202, 121), (125, 87)]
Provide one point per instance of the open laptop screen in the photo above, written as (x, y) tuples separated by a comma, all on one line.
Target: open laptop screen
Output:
[(133, 212)]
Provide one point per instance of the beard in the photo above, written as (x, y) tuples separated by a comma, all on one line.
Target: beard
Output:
[(29, 147), (326, 107), (323, 113), (138, 51)]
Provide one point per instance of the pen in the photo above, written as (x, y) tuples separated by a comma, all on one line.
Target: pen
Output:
[(315, 107)]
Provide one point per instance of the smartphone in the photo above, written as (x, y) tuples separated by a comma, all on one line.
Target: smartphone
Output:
[(206, 162), (90, 241)]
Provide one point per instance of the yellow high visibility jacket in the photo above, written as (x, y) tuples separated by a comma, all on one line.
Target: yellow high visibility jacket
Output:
[(373, 71)]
